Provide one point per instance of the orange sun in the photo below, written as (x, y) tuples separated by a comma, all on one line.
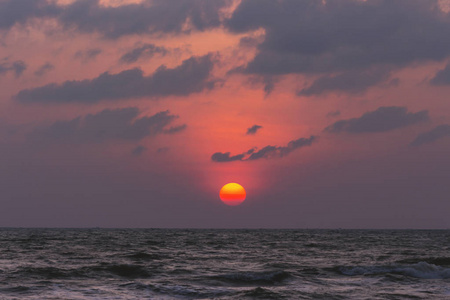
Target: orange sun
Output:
[(232, 194)]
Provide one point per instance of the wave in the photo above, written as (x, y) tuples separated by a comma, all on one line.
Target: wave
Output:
[(418, 270), (177, 290), (261, 293), (438, 261), (143, 256), (122, 270), (273, 277), (47, 272), (16, 289)]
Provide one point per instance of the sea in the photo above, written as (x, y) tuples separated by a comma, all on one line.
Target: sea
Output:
[(224, 264)]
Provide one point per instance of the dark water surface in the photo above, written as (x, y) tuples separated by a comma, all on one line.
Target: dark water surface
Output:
[(224, 264)]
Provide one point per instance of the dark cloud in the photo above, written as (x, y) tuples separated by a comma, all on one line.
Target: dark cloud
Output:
[(342, 37), (383, 119), (252, 130), (434, 134), (442, 77), (89, 16), (267, 152), (335, 113), (175, 129), (163, 150), (138, 150), (249, 41), (269, 84), (88, 54), (108, 124), (225, 157), (268, 81), (47, 67), (156, 16), (145, 50), (20, 11), (350, 82), (190, 77), (17, 67), (275, 152)]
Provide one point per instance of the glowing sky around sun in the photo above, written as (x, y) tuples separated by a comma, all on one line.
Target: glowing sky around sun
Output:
[(329, 113)]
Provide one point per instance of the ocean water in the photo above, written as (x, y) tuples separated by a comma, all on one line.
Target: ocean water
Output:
[(224, 264)]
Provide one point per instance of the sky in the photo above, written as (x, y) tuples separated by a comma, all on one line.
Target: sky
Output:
[(120, 113)]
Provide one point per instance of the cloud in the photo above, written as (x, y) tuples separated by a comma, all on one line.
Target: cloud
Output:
[(442, 77), (269, 84), (138, 150), (147, 17), (249, 41), (335, 113), (351, 82), (88, 54), (268, 81), (47, 67), (252, 130), (276, 152), (190, 77), (383, 119), (90, 16), (175, 129), (434, 134), (342, 37), (145, 50), (17, 67), (225, 157), (268, 152), (116, 124), (14, 12), (162, 150)]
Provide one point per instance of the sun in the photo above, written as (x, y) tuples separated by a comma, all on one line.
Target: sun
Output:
[(232, 194)]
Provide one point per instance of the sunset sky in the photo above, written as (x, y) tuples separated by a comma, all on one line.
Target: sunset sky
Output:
[(331, 114)]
